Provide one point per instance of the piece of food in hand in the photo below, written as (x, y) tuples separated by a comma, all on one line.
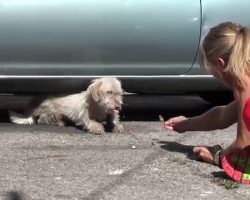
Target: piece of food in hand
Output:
[(161, 119)]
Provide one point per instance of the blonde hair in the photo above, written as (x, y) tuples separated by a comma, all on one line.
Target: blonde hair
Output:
[(231, 42)]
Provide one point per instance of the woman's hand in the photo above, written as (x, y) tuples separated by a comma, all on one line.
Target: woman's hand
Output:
[(176, 124)]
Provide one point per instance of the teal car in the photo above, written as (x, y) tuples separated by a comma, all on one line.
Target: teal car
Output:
[(54, 46)]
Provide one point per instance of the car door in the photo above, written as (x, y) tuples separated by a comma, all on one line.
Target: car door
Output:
[(93, 37), (224, 11)]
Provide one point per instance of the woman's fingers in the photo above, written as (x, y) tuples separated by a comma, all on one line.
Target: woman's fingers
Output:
[(168, 127)]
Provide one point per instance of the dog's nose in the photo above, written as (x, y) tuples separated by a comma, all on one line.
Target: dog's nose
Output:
[(118, 106)]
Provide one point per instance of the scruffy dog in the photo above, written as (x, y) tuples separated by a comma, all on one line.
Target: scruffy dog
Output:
[(100, 102)]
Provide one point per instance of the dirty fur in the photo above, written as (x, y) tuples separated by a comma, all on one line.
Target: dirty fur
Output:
[(101, 102)]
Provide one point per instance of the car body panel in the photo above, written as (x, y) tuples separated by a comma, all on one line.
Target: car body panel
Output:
[(50, 46), (222, 11), (215, 12), (111, 37)]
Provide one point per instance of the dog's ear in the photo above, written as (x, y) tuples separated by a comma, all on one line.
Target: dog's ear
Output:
[(94, 89)]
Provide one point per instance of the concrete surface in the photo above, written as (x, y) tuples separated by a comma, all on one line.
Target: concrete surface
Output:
[(145, 162)]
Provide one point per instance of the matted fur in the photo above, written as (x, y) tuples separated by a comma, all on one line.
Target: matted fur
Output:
[(100, 102)]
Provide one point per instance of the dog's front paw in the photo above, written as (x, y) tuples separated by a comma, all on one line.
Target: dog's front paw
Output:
[(96, 128), (118, 128)]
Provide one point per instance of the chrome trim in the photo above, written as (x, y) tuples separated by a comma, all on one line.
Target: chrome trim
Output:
[(95, 76)]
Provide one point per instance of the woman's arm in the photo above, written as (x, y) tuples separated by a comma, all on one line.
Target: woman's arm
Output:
[(219, 117)]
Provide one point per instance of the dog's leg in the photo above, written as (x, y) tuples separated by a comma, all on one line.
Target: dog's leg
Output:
[(44, 118), (113, 122), (93, 126)]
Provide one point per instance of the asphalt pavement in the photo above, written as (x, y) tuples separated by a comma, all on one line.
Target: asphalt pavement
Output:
[(145, 162)]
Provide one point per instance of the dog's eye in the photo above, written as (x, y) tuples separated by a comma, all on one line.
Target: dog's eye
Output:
[(109, 92)]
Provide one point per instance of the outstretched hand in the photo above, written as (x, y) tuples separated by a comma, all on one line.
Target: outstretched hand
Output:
[(176, 124)]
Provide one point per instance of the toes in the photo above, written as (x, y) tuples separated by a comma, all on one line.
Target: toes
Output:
[(204, 153), (118, 128), (96, 129), (197, 150)]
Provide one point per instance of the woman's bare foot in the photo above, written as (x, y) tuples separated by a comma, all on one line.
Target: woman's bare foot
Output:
[(206, 153)]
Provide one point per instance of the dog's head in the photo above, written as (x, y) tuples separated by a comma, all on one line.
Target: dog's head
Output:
[(107, 92)]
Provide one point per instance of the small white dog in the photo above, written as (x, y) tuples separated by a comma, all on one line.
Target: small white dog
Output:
[(102, 101)]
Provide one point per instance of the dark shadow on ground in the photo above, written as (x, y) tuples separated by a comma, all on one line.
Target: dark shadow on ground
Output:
[(180, 148), (14, 195), (221, 175)]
